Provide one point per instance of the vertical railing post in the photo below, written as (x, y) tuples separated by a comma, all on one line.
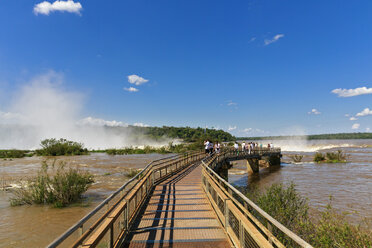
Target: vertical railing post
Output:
[(110, 242), (270, 228)]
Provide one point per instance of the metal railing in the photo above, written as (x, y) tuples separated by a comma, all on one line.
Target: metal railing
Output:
[(108, 223), (235, 210)]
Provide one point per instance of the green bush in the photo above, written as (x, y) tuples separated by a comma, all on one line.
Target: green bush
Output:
[(132, 172), (14, 153), (319, 157), (333, 230), (330, 157), (54, 184), (54, 147), (285, 204)]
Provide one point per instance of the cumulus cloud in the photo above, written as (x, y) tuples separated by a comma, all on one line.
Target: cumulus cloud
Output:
[(274, 39), (352, 92), (131, 89), (136, 80), (90, 121), (314, 112), (45, 8), (365, 112), (353, 118), (247, 130), (355, 126), (231, 128)]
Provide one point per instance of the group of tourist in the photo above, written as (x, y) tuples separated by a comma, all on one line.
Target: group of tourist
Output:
[(210, 148), (250, 146)]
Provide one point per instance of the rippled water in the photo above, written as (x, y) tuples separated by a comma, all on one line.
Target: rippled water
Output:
[(37, 226), (349, 184)]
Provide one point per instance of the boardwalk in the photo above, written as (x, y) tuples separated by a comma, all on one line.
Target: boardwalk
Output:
[(178, 214)]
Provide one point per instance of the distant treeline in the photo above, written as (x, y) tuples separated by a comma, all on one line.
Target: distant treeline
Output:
[(314, 137), (187, 134)]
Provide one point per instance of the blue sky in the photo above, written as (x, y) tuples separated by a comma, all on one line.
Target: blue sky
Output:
[(250, 67)]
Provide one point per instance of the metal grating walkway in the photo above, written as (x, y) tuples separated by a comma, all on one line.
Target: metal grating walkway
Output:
[(178, 214)]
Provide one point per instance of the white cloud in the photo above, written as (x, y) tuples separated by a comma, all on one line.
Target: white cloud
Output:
[(90, 121), (231, 128), (252, 39), (136, 80), (368, 129), (131, 89), (140, 124), (314, 112), (274, 39), (352, 92), (45, 8), (355, 126), (247, 130), (231, 103), (353, 118), (365, 112), (347, 115)]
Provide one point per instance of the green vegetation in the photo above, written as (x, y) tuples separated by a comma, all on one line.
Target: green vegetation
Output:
[(296, 158), (132, 172), (314, 137), (330, 157), (54, 184), (286, 205), (180, 148), (54, 147), (15, 153), (187, 134)]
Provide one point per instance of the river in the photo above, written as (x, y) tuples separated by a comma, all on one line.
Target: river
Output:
[(350, 185), (37, 226)]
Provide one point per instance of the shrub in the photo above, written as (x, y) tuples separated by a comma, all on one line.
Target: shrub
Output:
[(319, 157), (333, 230), (54, 147), (336, 157), (14, 153), (53, 184), (132, 173), (296, 158), (284, 204), (330, 157)]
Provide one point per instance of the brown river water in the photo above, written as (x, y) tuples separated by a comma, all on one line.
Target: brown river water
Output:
[(350, 185), (37, 226)]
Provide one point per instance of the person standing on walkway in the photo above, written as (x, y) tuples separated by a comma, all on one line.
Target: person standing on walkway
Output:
[(243, 146), (206, 146), (236, 147)]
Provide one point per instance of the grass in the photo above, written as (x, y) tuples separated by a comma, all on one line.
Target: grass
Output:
[(54, 184), (330, 157), (54, 147), (286, 205)]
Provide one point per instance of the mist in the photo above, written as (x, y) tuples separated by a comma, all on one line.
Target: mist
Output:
[(42, 109)]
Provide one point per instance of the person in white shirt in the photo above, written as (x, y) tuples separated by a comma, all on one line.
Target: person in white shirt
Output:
[(206, 144), (243, 146)]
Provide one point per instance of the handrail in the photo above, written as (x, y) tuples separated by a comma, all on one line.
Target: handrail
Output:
[(207, 165), (146, 170)]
